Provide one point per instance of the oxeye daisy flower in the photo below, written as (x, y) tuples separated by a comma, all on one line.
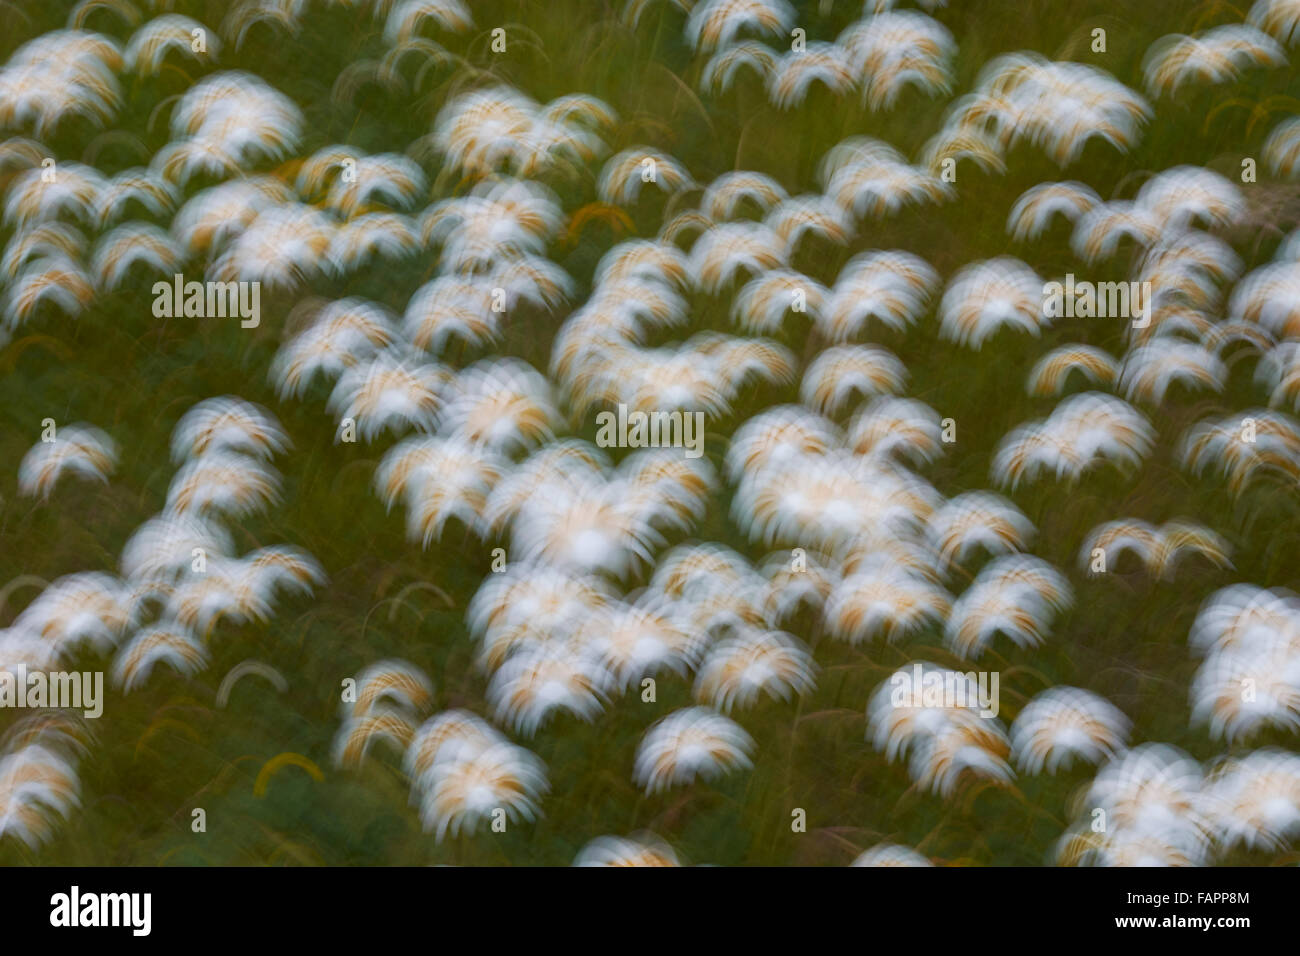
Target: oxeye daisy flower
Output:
[(688, 744)]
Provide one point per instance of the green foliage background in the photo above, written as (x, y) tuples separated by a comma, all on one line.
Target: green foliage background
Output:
[(168, 748)]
